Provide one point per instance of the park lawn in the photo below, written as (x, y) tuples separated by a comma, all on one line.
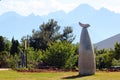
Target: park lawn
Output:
[(13, 75)]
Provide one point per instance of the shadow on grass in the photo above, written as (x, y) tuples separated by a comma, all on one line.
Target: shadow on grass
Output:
[(75, 76)]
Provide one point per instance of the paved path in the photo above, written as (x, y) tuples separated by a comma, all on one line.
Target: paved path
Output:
[(1, 69)]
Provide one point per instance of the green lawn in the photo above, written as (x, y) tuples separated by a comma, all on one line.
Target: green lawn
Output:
[(13, 75)]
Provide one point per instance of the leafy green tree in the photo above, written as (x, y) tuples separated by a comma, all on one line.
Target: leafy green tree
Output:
[(67, 34), (117, 51), (7, 44), (14, 48), (2, 44), (4, 52), (49, 33)]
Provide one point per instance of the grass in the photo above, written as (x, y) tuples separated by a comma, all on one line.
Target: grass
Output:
[(13, 75)]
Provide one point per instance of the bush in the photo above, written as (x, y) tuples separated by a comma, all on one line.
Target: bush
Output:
[(61, 55), (33, 57), (13, 61), (4, 59), (104, 60), (70, 63), (115, 62)]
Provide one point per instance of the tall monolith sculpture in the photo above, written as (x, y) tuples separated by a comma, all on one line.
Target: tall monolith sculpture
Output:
[(86, 61)]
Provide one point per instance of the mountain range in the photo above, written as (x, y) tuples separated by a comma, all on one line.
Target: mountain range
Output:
[(108, 43), (104, 23)]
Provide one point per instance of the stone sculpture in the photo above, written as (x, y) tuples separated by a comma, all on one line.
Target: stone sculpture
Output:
[(86, 61), (23, 59)]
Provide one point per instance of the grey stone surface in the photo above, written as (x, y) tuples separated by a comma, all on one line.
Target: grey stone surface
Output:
[(86, 61)]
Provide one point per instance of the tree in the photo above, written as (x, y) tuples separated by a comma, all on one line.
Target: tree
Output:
[(7, 44), (2, 44), (4, 52), (14, 48), (49, 33), (67, 34), (117, 51)]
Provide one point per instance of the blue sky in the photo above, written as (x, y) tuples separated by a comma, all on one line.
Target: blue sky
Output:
[(44, 7)]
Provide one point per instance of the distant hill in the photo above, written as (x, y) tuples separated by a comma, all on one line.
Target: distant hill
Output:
[(108, 43), (13, 24)]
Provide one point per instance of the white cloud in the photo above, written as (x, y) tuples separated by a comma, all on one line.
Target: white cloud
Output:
[(109, 4), (23, 7), (43, 7), (38, 7)]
